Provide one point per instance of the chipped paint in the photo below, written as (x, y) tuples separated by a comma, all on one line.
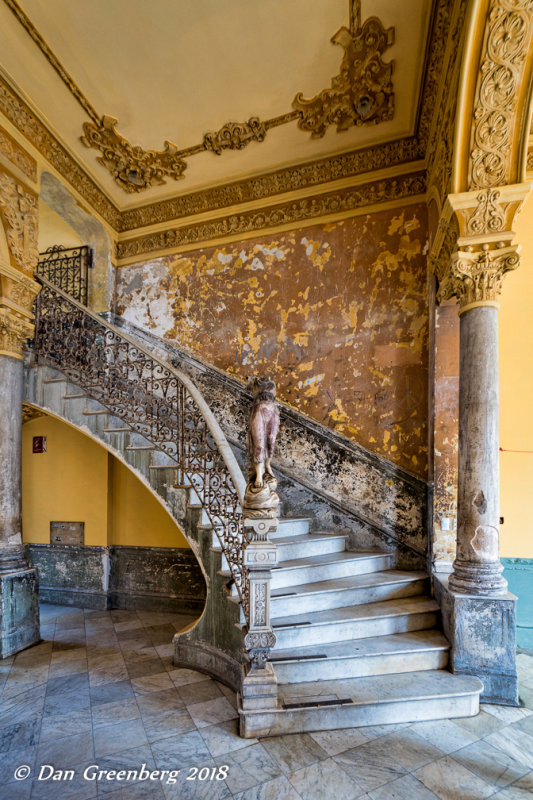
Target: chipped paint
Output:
[(337, 316)]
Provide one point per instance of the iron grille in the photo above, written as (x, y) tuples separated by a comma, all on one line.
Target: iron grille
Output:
[(67, 268)]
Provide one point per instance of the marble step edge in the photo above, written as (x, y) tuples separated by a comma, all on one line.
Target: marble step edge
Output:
[(371, 647), (366, 580), (328, 558), (383, 609), (407, 702)]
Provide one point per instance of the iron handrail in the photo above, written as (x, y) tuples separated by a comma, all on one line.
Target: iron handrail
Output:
[(154, 399)]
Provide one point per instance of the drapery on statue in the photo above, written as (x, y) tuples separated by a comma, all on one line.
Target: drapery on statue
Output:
[(260, 499)]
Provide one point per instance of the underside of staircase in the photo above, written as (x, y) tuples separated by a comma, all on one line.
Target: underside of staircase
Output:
[(358, 642)]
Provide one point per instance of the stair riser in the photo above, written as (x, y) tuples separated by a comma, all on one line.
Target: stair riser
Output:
[(322, 601), (321, 572), (288, 552), (275, 723), (291, 527), (342, 668), (305, 635)]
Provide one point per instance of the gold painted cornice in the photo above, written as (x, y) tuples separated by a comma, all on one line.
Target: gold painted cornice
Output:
[(16, 154), (290, 213)]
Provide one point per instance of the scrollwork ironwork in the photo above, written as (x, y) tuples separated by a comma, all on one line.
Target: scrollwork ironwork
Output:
[(153, 400), (66, 268)]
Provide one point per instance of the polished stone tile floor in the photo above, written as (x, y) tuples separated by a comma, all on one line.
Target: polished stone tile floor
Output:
[(100, 699)]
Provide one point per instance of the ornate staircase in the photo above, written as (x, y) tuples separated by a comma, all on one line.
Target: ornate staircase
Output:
[(358, 642)]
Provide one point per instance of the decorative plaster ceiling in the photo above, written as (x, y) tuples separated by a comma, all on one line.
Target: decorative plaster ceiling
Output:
[(170, 70)]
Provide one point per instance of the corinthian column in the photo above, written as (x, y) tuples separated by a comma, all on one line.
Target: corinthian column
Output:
[(473, 251)]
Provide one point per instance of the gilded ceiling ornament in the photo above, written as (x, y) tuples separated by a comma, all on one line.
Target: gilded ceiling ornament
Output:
[(362, 92), (505, 48), (133, 168), (19, 211), (235, 135)]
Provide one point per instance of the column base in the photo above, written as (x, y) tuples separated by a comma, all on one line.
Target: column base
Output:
[(482, 635), (19, 611), (483, 580), (259, 689)]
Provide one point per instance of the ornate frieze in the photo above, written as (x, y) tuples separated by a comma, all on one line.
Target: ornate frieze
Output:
[(362, 92), (19, 212), (132, 168), (17, 293), (291, 212), (17, 155), (507, 39)]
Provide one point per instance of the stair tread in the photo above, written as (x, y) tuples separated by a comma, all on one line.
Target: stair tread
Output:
[(395, 643), (366, 580), (376, 689), (384, 608), (328, 558)]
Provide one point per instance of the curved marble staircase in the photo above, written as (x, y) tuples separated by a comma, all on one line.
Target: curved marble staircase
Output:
[(358, 643)]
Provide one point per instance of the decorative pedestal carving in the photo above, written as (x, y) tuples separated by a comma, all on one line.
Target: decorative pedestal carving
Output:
[(260, 511)]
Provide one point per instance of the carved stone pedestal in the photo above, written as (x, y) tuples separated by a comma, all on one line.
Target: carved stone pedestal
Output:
[(19, 611), (481, 632)]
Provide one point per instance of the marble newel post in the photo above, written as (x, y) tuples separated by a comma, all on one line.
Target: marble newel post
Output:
[(478, 611), (260, 512), (19, 597)]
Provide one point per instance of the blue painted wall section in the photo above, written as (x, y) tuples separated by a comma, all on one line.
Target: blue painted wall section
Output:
[(519, 574)]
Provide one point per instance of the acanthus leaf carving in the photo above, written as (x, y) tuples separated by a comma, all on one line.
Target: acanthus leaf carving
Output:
[(19, 210), (362, 92), (133, 168), (475, 277)]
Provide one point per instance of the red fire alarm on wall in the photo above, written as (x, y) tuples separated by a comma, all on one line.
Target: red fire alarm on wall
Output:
[(39, 444)]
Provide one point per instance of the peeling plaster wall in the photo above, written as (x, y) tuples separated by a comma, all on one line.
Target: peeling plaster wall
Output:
[(336, 314), (446, 431)]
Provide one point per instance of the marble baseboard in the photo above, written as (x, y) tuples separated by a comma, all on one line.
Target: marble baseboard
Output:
[(210, 660)]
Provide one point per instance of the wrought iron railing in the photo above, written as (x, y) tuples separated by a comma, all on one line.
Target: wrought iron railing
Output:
[(67, 268), (155, 400)]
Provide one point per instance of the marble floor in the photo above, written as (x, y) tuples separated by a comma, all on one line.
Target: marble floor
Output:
[(100, 699)]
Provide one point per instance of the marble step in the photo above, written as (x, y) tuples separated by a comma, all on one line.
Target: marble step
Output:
[(358, 702), (309, 544), (355, 622), (376, 655), (350, 591), (291, 526), (325, 567)]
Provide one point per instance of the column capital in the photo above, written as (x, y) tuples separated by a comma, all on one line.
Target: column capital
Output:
[(17, 293), (474, 246)]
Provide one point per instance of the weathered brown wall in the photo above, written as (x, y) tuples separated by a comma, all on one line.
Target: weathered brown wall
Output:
[(336, 314), (446, 428)]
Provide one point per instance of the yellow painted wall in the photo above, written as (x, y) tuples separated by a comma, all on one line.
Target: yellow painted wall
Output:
[(136, 517), (516, 393), (78, 480), (68, 482)]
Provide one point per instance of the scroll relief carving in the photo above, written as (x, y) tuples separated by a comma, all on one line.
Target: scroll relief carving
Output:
[(362, 91), (19, 211), (17, 155), (17, 293), (510, 28)]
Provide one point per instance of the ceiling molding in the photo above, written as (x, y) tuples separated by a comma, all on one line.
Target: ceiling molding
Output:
[(298, 180), (14, 153), (308, 210)]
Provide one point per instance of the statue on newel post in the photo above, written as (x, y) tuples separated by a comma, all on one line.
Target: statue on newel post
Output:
[(260, 512)]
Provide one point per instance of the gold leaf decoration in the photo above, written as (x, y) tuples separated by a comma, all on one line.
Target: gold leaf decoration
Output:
[(235, 135), (133, 168), (362, 92)]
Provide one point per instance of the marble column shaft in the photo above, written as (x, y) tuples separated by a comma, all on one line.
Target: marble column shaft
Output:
[(477, 568), (11, 549)]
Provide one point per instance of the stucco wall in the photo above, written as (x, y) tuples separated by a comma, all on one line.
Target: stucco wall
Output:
[(336, 314)]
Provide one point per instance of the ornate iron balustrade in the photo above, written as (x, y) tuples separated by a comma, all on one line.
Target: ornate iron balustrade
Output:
[(66, 268), (155, 400)]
